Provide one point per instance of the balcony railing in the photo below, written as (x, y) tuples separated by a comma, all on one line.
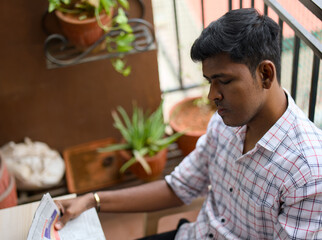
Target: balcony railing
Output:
[(302, 39)]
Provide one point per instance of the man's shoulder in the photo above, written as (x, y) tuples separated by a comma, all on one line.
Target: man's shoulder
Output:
[(304, 132), (306, 143)]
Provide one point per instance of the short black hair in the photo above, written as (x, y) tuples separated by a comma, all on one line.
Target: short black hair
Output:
[(246, 35)]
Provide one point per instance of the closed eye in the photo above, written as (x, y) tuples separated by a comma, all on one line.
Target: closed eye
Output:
[(226, 82)]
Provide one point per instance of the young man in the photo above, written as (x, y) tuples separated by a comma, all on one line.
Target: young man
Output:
[(260, 162)]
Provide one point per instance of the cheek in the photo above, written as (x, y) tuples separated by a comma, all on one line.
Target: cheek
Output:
[(244, 100)]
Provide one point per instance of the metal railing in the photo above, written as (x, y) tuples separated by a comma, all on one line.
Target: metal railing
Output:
[(301, 35)]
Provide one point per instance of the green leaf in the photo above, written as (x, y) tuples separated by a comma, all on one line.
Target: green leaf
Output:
[(82, 17), (121, 18), (143, 132), (127, 164), (164, 142), (125, 117), (119, 125), (124, 39), (115, 147), (118, 64), (120, 67), (107, 5), (53, 4), (126, 72), (124, 3), (124, 48), (139, 156), (126, 27)]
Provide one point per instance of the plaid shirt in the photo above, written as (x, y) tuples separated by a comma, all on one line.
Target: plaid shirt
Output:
[(274, 191)]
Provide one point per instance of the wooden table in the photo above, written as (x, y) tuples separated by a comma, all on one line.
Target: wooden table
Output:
[(16, 221)]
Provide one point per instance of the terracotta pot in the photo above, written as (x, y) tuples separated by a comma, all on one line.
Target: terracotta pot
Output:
[(82, 33), (156, 163), (187, 116), (8, 191)]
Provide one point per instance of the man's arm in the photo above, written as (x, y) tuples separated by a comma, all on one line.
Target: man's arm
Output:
[(152, 196), (301, 215)]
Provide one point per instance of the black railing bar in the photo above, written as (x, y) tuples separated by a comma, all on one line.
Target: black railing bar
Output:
[(230, 5), (265, 9), (203, 14), (314, 6), (183, 88), (295, 66), (299, 30), (314, 86), (280, 23), (253, 3), (240, 3), (178, 44)]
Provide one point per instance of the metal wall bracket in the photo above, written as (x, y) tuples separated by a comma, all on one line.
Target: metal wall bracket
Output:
[(60, 53)]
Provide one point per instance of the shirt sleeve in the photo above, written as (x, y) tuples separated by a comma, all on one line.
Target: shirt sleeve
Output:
[(301, 213), (190, 178)]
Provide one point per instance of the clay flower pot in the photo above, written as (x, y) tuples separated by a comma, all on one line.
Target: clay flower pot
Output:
[(8, 191), (191, 118), (156, 162), (82, 33)]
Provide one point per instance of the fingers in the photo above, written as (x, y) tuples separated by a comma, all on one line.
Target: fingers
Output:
[(70, 208), (60, 207), (65, 214), (62, 221)]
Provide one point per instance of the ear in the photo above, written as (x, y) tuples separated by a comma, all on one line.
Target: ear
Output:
[(267, 73)]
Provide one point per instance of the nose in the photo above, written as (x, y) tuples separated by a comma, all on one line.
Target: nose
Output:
[(214, 92)]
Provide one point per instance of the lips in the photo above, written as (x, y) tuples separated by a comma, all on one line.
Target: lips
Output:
[(221, 110)]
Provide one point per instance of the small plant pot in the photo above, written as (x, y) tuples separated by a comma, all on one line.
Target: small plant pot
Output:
[(81, 33), (156, 163), (8, 190), (191, 118)]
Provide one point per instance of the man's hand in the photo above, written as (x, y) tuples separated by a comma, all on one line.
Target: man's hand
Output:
[(72, 208)]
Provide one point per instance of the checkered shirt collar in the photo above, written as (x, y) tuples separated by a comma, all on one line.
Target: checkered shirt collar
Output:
[(275, 135)]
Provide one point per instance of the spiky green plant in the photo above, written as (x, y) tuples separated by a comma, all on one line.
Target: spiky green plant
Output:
[(144, 135)]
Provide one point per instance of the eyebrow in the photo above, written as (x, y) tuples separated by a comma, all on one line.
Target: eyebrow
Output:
[(216, 76)]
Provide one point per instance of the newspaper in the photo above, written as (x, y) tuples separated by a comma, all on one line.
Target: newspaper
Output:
[(86, 226)]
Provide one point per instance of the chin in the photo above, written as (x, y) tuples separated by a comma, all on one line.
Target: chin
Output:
[(232, 122)]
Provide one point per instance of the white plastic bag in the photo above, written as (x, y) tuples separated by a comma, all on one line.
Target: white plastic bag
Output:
[(34, 165)]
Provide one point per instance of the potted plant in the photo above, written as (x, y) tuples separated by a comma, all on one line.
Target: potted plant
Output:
[(191, 115), (83, 22), (144, 145)]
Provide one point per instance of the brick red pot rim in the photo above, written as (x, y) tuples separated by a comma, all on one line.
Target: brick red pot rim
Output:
[(74, 20), (175, 126)]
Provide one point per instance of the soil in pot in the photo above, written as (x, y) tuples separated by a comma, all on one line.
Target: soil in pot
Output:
[(192, 118)]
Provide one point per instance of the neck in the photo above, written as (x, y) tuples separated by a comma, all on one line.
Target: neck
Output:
[(272, 110)]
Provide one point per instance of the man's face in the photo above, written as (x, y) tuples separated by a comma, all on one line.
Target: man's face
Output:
[(238, 95)]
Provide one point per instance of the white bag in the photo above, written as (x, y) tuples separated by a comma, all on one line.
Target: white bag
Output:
[(34, 165)]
